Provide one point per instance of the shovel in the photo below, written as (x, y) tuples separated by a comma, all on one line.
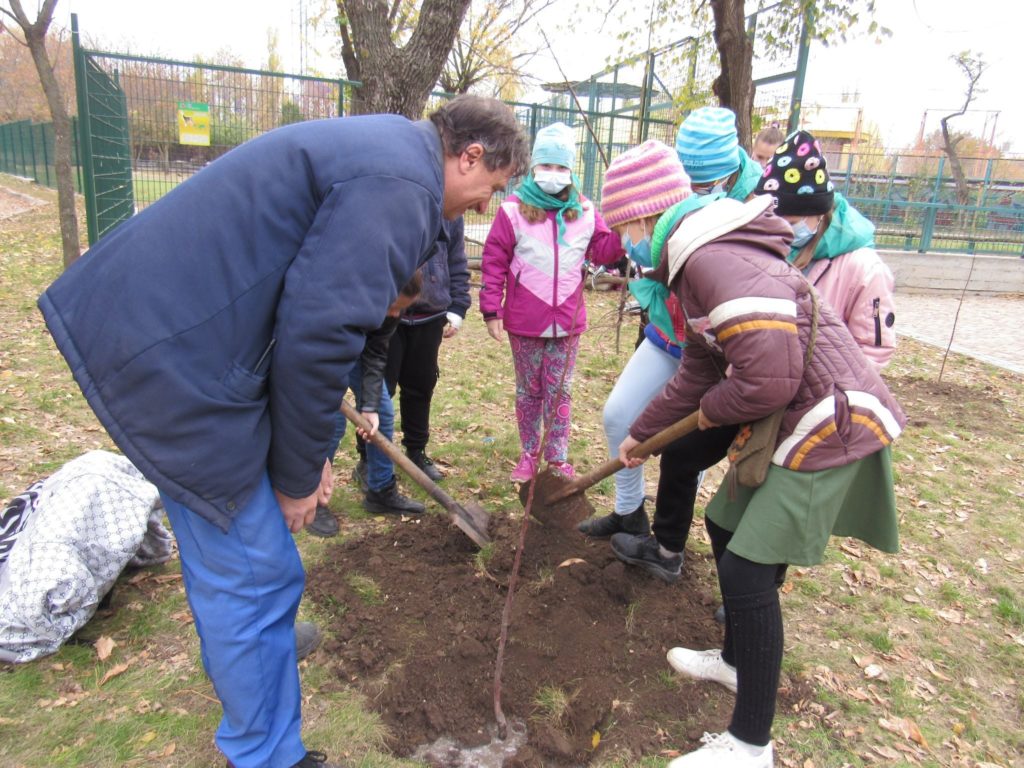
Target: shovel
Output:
[(471, 518), (557, 499)]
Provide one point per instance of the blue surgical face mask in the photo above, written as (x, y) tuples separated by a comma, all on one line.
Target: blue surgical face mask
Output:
[(638, 252), (802, 234), (717, 188)]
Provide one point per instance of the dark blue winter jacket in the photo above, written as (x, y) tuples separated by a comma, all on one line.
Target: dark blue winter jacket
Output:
[(445, 279), (213, 332)]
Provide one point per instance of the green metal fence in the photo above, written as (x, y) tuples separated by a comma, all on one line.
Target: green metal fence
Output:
[(913, 201), (26, 149), (135, 141)]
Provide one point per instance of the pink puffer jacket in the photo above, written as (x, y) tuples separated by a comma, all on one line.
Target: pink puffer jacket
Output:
[(533, 283)]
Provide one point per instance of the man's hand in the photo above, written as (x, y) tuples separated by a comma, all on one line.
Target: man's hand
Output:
[(624, 448), (323, 493), (298, 513), (374, 420), (495, 329)]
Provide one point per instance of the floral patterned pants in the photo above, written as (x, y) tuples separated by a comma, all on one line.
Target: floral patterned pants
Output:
[(539, 364)]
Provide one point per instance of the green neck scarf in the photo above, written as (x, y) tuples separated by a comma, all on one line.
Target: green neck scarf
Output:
[(651, 294), (531, 194)]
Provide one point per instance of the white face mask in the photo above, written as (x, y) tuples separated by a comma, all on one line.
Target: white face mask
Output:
[(552, 182)]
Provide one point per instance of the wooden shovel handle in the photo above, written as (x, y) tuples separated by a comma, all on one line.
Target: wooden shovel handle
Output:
[(459, 515), (651, 445)]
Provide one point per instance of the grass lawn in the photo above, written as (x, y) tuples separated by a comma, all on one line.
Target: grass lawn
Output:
[(911, 659)]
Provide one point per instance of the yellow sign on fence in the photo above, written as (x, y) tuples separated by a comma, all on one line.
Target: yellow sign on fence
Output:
[(194, 123)]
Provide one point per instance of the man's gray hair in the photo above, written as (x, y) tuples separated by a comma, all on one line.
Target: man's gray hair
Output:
[(470, 119)]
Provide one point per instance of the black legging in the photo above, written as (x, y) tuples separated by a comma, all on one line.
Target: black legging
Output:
[(681, 464), (753, 635), (412, 368)]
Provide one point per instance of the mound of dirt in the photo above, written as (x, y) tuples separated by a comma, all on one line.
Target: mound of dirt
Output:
[(418, 623)]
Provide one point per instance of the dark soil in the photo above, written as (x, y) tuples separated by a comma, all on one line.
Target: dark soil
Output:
[(424, 649)]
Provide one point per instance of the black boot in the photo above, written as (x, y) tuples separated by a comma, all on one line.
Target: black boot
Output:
[(419, 457), (635, 522), (325, 524), (359, 475), (645, 552), (388, 501)]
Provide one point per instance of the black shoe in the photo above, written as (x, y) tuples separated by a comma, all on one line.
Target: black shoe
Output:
[(602, 527), (388, 501), (359, 475), (645, 552), (419, 457), (720, 614), (307, 639), (310, 760), (325, 524), (315, 760)]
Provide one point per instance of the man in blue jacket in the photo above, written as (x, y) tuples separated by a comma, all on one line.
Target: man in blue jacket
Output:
[(213, 334)]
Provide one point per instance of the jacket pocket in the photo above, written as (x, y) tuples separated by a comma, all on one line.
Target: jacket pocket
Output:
[(246, 384)]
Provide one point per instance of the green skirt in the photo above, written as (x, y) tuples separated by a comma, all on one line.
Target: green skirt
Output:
[(790, 517)]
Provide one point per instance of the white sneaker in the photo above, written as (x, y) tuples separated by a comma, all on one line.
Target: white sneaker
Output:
[(723, 750), (703, 665)]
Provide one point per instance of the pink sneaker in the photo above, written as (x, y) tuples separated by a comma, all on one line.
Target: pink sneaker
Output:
[(525, 469), (564, 468)]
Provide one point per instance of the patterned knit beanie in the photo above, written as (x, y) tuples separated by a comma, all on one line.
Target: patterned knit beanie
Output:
[(708, 145), (555, 144), (643, 181), (797, 178)]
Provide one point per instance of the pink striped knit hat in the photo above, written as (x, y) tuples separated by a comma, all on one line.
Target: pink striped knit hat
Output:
[(643, 181)]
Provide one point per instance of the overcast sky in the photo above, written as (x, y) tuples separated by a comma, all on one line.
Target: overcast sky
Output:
[(896, 81)]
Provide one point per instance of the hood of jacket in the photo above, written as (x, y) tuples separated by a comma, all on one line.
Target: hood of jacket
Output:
[(727, 222), (848, 231)]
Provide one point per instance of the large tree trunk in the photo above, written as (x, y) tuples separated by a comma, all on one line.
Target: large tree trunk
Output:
[(396, 80), (734, 86), (35, 38)]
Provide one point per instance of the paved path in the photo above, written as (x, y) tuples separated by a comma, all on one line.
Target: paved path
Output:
[(989, 328)]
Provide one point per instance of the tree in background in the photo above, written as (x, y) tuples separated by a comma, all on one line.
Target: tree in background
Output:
[(22, 97), (35, 34), (489, 52), (973, 67), (828, 21), (396, 51)]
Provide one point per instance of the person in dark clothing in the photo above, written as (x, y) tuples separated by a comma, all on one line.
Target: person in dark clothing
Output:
[(213, 334), (381, 494), (412, 370)]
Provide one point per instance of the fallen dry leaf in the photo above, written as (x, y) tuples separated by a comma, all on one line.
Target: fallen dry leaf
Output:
[(571, 561), (113, 672), (104, 647), (905, 727)]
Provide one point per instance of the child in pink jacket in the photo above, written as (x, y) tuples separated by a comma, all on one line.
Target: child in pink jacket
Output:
[(833, 245), (533, 290)]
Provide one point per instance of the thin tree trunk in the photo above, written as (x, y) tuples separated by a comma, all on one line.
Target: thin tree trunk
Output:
[(734, 86), (35, 38)]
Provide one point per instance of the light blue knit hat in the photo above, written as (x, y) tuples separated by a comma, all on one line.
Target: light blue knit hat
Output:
[(555, 144), (707, 144)]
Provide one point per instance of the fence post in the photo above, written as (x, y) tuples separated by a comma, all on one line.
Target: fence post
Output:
[(928, 229), (801, 74), (32, 152), (648, 94), (341, 98), (84, 139)]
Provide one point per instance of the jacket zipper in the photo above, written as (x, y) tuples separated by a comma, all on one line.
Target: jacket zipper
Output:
[(554, 282), (878, 322)]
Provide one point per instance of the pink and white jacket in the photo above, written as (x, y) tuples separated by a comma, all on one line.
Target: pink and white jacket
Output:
[(859, 287), (534, 283)]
